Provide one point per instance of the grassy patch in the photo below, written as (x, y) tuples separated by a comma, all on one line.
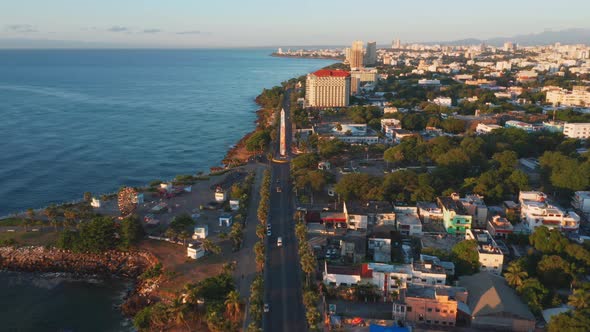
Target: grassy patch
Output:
[(30, 238)]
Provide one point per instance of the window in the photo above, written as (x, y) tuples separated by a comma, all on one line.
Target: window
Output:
[(452, 311), (437, 310), (429, 309), (451, 323), (423, 280), (436, 322), (409, 309), (444, 311), (439, 281), (444, 323), (428, 321)]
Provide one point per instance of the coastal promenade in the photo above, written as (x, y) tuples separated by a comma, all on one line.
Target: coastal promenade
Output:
[(282, 273)]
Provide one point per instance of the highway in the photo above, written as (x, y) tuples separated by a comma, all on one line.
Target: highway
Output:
[(282, 273)]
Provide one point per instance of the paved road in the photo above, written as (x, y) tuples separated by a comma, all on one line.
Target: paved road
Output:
[(282, 273)]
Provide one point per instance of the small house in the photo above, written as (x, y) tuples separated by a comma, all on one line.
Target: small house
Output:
[(201, 232), (95, 203), (234, 204), (195, 251), (220, 195), (225, 220)]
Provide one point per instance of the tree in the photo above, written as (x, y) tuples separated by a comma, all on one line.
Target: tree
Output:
[(87, 197), (580, 299), (211, 247), (259, 252), (70, 215), (548, 241), (30, 214), (554, 271), (50, 212), (258, 140), (233, 304), (131, 231), (573, 321), (534, 293), (466, 258), (97, 235), (515, 275), (179, 311), (260, 231)]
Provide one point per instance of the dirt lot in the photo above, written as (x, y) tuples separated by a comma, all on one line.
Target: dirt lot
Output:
[(179, 269)]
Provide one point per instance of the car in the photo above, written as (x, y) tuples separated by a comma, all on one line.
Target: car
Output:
[(268, 232), (279, 241), (268, 226), (266, 307), (279, 189)]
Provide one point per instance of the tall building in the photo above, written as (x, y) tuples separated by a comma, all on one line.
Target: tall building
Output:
[(327, 88), (356, 54), (397, 44), (371, 54)]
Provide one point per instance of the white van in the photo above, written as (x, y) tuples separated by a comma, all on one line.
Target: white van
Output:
[(279, 241)]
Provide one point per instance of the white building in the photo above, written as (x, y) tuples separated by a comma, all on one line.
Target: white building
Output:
[(443, 101), (386, 277), (426, 82), (389, 125), (364, 75), (576, 97), (581, 201), (535, 212), (499, 226), (407, 220), (577, 130), (490, 255), (483, 128)]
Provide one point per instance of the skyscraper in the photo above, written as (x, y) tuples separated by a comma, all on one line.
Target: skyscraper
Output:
[(371, 54), (356, 54), (397, 44)]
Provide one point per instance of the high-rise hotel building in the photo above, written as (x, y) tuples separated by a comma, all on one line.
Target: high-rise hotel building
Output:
[(357, 54), (327, 88)]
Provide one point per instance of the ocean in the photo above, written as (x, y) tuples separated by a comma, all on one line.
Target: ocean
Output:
[(94, 120)]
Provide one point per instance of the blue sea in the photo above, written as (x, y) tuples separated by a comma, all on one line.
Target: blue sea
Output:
[(94, 120)]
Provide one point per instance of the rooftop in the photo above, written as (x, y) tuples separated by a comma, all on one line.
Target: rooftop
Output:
[(452, 205), (333, 73)]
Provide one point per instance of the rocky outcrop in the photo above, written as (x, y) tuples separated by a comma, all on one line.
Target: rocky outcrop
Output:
[(39, 259)]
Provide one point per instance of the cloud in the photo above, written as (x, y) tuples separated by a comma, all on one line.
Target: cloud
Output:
[(118, 28), (21, 28), (190, 32), (152, 31)]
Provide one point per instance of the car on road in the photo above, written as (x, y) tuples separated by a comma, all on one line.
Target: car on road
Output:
[(268, 233), (266, 307), (268, 226), (279, 189), (279, 241)]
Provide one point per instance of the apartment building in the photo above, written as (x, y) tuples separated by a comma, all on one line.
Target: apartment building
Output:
[(577, 130), (499, 227), (581, 201), (576, 97), (407, 220), (490, 255), (433, 305), (364, 75), (327, 88), (456, 219), (483, 128), (535, 211), (522, 125), (387, 277)]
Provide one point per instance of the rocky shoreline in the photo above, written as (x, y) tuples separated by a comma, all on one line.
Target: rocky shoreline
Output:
[(129, 265)]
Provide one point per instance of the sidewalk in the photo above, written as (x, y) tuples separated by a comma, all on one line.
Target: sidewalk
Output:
[(246, 265)]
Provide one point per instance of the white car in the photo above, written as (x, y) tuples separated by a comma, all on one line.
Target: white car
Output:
[(280, 242), (266, 308), (268, 233)]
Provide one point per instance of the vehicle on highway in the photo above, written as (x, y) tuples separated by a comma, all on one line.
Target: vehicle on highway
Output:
[(279, 189), (266, 307), (268, 233), (279, 241), (268, 226)]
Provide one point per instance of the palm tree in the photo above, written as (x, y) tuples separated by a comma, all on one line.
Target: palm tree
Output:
[(211, 247), (54, 223), (259, 252), (514, 275), (178, 310), (171, 233), (50, 212), (580, 299), (70, 215), (260, 231), (30, 214), (233, 304), (308, 264)]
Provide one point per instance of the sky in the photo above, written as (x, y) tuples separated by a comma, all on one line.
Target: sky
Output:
[(244, 23)]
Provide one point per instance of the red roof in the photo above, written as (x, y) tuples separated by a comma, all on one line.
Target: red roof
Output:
[(328, 72)]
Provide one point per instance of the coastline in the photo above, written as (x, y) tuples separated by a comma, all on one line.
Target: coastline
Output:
[(118, 264), (295, 56)]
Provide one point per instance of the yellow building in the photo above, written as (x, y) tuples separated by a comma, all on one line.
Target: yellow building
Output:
[(327, 88)]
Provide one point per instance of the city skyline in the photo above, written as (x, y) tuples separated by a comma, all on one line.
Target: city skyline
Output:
[(264, 23)]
